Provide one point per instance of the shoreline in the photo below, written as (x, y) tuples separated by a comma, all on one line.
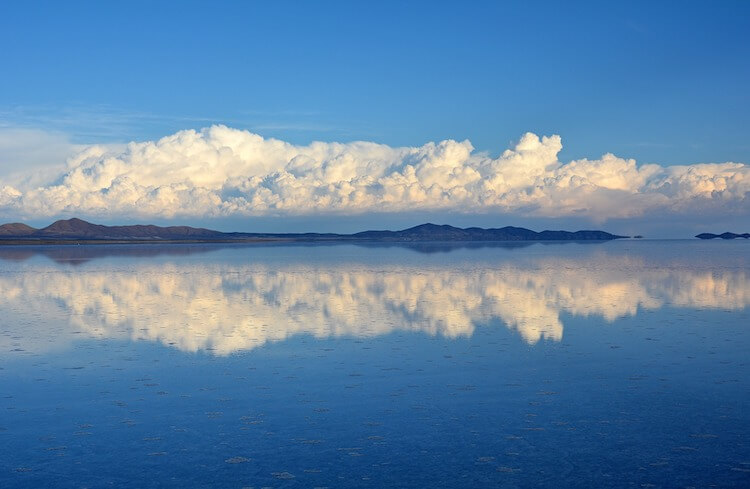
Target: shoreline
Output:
[(273, 240)]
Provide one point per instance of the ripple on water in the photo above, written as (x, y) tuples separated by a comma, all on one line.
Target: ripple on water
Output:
[(237, 460)]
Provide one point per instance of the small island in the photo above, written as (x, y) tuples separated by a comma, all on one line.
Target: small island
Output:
[(79, 231), (723, 236)]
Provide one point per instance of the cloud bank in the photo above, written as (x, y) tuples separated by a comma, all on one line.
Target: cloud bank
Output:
[(222, 172)]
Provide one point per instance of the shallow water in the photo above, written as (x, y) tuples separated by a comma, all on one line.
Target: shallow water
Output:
[(619, 364)]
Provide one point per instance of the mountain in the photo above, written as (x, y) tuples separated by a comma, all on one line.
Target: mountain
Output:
[(722, 236), (434, 232), (77, 228), (16, 229), (80, 230)]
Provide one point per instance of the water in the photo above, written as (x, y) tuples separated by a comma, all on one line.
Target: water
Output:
[(619, 364)]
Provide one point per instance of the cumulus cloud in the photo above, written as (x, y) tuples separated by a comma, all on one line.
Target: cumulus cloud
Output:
[(220, 171)]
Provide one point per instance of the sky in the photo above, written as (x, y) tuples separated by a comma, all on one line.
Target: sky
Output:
[(341, 116)]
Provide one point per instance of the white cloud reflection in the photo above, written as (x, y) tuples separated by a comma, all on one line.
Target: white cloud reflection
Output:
[(227, 308)]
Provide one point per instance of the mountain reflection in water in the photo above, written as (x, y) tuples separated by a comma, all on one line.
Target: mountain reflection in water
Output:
[(229, 307)]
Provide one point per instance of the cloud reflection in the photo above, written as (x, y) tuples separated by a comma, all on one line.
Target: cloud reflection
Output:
[(225, 308)]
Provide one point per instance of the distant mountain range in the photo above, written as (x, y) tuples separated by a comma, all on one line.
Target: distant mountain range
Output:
[(79, 230), (434, 232), (723, 236)]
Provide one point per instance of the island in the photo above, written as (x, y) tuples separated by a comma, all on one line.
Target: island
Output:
[(76, 230), (722, 236)]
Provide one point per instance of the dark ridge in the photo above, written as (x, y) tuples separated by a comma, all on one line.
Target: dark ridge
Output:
[(434, 232), (722, 236), (80, 230)]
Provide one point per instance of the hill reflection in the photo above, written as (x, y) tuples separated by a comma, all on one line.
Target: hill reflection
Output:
[(78, 255), (225, 307)]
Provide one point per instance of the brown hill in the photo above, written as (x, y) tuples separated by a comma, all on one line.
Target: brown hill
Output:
[(78, 228), (16, 229)]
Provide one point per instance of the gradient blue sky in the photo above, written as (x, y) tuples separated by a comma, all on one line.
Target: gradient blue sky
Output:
[(661, 82)]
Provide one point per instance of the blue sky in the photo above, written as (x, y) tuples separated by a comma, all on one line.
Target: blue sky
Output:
[(660, 82)]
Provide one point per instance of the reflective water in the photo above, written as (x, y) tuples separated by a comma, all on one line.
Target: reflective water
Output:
[(621, 364)]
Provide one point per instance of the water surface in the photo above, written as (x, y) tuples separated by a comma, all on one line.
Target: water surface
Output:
[(619, 364)]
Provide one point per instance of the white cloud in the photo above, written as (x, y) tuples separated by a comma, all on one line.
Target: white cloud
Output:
[(220, 171)]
